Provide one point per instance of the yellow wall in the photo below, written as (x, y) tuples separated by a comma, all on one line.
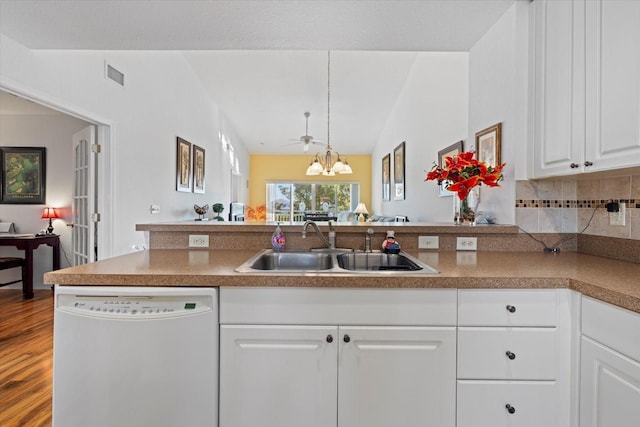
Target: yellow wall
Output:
[(293, 168)]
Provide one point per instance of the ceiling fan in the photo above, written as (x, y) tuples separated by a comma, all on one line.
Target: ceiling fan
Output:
[(306, 139)]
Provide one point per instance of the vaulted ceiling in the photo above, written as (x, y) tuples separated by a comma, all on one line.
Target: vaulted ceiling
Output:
[(265, 62)]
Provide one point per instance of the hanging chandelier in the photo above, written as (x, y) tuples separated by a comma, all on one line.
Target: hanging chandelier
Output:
[(329, 164)]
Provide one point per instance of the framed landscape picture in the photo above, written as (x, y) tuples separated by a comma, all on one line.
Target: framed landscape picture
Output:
[(488, 145), (386, 178), (23, 175), (198, 169), (450, 151), (183, 165), (398, 172)]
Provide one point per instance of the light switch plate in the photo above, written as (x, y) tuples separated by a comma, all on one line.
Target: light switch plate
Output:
[(467, 244), (428, 242), (198, 240)]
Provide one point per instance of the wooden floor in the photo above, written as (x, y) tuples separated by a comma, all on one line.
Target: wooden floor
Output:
[(26, 358)]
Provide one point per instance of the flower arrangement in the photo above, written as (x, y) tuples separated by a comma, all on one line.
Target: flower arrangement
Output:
[(259, 213), (462, 172)]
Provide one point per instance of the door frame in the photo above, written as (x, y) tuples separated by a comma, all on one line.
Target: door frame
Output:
[(105, 197)]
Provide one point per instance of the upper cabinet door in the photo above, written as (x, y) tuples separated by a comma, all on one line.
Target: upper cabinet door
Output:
[(558, 130), (612, 84)]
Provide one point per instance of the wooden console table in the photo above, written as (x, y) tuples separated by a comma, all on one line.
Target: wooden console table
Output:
[(28, 244)]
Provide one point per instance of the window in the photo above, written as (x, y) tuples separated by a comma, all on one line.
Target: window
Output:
[(289, 201)]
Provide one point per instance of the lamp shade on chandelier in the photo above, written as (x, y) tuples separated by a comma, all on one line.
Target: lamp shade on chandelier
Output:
[(330, 164)]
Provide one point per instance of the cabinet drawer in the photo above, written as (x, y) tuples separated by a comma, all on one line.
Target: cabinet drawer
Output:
[(484, 403), (343, 306), (613, 326), (510, 307), (507, 353)]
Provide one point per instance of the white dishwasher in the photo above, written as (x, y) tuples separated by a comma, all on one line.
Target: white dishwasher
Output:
[(135, 357)]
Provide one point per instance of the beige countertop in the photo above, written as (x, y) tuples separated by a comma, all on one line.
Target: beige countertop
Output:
[(612, 281)]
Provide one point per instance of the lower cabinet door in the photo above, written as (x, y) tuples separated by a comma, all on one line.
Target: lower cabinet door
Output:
[(397, 376), (278, 376), (609, 387), (507, 404)]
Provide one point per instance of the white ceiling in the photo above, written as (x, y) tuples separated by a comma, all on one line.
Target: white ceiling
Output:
[(265, 62)]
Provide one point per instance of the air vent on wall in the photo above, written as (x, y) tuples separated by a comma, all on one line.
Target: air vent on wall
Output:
[(114, 75)]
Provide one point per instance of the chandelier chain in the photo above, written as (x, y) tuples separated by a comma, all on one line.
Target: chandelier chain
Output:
[(328, 98)]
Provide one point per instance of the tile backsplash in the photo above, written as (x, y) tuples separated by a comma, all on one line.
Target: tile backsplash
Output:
[(568, 205)]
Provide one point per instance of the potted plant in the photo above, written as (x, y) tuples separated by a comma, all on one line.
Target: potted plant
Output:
[(218, 208)]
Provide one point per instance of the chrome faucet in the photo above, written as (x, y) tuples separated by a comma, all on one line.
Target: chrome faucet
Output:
[(331, 242), (367, 240)]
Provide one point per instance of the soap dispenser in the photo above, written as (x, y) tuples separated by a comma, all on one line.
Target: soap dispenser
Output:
[(390, 245), (277, 239)]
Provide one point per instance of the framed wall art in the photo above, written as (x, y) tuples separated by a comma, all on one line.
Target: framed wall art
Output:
[(24, 175), (488, 145), (450, 151), (386, 178), (198, 169), (398, 172), (183, 165)]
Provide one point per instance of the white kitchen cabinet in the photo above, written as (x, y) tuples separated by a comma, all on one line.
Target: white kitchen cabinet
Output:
[(506, 403), (311, 371), (612, 84), (610, 366), (278, 376), (508, 353), (586, 72), (610, 387), (397, 376), (558, 98), (512, 355)]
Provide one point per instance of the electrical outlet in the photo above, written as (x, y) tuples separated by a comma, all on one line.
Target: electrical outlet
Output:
[(155, 209), (467, 244), (618, 218), (428, 242), (198, 240)]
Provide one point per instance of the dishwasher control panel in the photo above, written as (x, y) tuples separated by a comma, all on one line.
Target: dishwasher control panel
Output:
[(134, 306)]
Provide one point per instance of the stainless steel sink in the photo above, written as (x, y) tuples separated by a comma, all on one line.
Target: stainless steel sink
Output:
[(333, 261), (378, 261), (288, 261)]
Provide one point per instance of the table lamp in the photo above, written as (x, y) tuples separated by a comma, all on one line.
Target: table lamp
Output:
[(361, 210), (50, 213)]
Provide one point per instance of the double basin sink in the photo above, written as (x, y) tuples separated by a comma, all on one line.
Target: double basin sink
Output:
[(333, 261)]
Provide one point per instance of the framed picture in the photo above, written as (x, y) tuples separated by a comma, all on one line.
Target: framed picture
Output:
[(488, 145), (24, 175), (398, 171), (386, 178), (183, 166), (198, 169), (450, 151)]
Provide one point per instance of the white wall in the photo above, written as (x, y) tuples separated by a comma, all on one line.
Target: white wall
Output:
[(430, 114), (53, 132), (162, 99), (498, 93)]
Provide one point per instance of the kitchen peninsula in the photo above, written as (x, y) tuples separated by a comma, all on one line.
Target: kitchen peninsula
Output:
[(505, 259), (505, 333)]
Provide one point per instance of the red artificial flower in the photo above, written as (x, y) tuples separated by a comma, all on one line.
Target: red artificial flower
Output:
[(463, 172)]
